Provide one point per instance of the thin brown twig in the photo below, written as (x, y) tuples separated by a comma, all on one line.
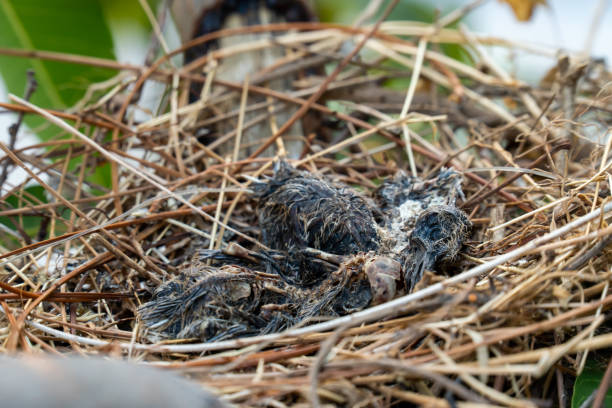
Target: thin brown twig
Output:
[(604, 387), (323, 87)]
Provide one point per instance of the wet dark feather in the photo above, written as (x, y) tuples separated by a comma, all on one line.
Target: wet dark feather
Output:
[(298, 210), (329, 256)]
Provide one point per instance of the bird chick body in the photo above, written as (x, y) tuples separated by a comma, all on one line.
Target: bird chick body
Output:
[(328, 256), (299, 210)]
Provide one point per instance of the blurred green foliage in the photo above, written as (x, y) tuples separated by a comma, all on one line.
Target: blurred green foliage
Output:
[(347, 11), (68, 26), (33, 195), (587, 382), (75, 27)]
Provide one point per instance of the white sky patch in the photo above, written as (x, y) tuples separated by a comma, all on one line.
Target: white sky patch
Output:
[(25, 138), (560, 25), (131, 44)]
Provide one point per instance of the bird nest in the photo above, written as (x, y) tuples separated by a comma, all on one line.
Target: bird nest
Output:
[(294, 238)]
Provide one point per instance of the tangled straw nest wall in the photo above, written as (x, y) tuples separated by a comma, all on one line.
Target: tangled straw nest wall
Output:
[(512, 323)]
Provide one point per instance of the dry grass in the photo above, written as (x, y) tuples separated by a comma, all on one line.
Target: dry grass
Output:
[(513, 327)]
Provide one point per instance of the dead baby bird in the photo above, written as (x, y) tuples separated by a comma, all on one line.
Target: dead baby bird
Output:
[(421, 224), (246, 298), (329, 256), (297, 210)]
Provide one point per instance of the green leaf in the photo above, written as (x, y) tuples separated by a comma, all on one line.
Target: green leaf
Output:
[(346, 11), (68, 26), (30, 224), (587, 382)]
